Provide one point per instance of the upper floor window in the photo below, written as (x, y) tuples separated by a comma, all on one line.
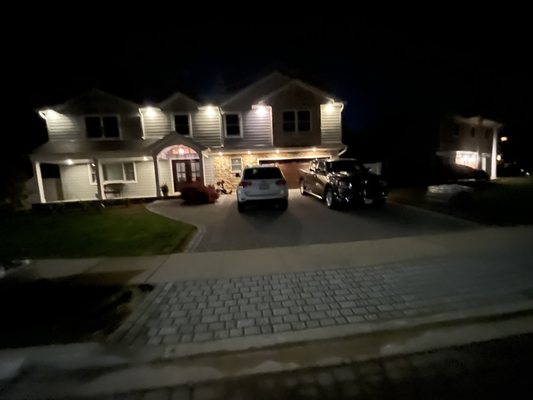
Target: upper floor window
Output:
[(232, 125), (297, 121), (105, 126), (473, 132), (181, 124)]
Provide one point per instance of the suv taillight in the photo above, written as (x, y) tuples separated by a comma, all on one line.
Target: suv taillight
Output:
[(281, 182), (245, 183)]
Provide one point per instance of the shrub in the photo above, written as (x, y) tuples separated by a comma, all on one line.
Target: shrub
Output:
[(197, 193)]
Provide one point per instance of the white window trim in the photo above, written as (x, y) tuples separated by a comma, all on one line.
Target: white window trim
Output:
[(240, 125), (91, 175), (173, 122), (295, 111), (101, 124), (231, 165), (123, 172)]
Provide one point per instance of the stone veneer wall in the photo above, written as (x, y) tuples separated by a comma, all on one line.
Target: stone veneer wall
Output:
[(222, 164)]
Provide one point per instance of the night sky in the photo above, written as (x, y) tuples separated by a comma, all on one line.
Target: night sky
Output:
[(472, 63)]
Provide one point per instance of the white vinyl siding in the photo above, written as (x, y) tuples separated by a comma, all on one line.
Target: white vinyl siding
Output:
[(156, 123), (331, 123), (207, 127), (75, 184), (65, 127)]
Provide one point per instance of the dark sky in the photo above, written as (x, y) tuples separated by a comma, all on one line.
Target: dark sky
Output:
[(468, 62)]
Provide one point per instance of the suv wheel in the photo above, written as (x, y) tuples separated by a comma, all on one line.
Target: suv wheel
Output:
[(303, 192), (330, 198)]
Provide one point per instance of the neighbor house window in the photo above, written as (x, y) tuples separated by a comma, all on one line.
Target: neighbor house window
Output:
[(181, 124), (297, 121), (456, 130), (119, 172), (473, 132), (232, 124), (236, 164), (98, 127)]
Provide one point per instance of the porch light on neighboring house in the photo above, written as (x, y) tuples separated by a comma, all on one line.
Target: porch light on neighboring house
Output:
[(249, 152), (504, 139), (220, 153), (145, 158), (150, 111), (69, 161), (277, 151), (209, 109), (181, 151), (261, 109), (329, 107), (499, 157), (314, 148)]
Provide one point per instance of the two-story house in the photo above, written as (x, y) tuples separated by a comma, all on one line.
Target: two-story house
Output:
[(470, 141), (107, 147)]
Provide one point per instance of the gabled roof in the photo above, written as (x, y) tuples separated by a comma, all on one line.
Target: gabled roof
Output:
[(306, 86), (175, 96), (92, 94), (268, 87), (266, 84)]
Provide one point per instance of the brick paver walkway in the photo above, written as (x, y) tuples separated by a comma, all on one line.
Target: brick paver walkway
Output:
[(209, 310)]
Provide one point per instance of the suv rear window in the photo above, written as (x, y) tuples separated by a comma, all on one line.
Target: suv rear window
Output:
[(262, 173)]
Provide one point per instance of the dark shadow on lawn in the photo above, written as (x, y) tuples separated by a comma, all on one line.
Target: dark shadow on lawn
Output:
[(65, 310)]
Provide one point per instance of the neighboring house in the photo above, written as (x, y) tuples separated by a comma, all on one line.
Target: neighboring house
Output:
[(470, 141), (108, 147)]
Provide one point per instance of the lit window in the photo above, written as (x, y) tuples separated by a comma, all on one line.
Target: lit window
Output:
[(236, 164), (181, 124), (98, 127), (297, 121), (232, 123)]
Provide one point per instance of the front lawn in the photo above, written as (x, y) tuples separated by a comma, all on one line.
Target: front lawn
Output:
[(113, 231), (506, 201)]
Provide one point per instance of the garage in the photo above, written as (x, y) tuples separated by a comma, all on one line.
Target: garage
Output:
[(290, 169)]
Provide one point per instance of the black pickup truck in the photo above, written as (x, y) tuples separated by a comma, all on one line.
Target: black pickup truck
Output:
[(342, 181)]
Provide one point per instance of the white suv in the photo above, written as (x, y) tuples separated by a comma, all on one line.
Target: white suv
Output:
[(262, 183)]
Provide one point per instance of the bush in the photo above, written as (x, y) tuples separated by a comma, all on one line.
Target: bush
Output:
[(197, 193)]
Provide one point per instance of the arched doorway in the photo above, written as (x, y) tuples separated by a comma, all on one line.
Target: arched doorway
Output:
[(184, 165)]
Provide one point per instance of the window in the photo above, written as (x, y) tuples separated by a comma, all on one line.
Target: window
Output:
[(92, 173), (232, 124), (181, 124), (102, 127), (297, 121), (321, 168), (262, 173), (473, 132), (236, 164), (456, 130), (115, 172)]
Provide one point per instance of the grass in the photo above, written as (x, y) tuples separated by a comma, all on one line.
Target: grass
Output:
[(507, 201), (72, 233), (65, 310)]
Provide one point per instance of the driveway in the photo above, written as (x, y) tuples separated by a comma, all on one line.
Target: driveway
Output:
[(307, 221)]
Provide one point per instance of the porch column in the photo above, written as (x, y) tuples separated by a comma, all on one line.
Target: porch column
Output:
[(39, 178), (494, 155), (99, 181), (156, 174)]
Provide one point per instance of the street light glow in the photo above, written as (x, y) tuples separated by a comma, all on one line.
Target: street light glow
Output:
[(504, 139)]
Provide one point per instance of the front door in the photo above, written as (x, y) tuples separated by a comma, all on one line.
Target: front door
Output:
[(185, 171)]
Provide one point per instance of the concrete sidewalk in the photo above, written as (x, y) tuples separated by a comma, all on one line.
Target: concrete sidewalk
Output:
[(227, 264)]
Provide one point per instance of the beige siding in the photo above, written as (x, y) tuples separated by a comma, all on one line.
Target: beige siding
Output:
[(75, 182), (206, 127), (145, 185), (256, 129), (156, 123), (165, 175), (331, 123), (65, 127)]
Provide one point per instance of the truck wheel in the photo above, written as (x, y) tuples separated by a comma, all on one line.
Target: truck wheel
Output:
[(303, 192), (330, 199)]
